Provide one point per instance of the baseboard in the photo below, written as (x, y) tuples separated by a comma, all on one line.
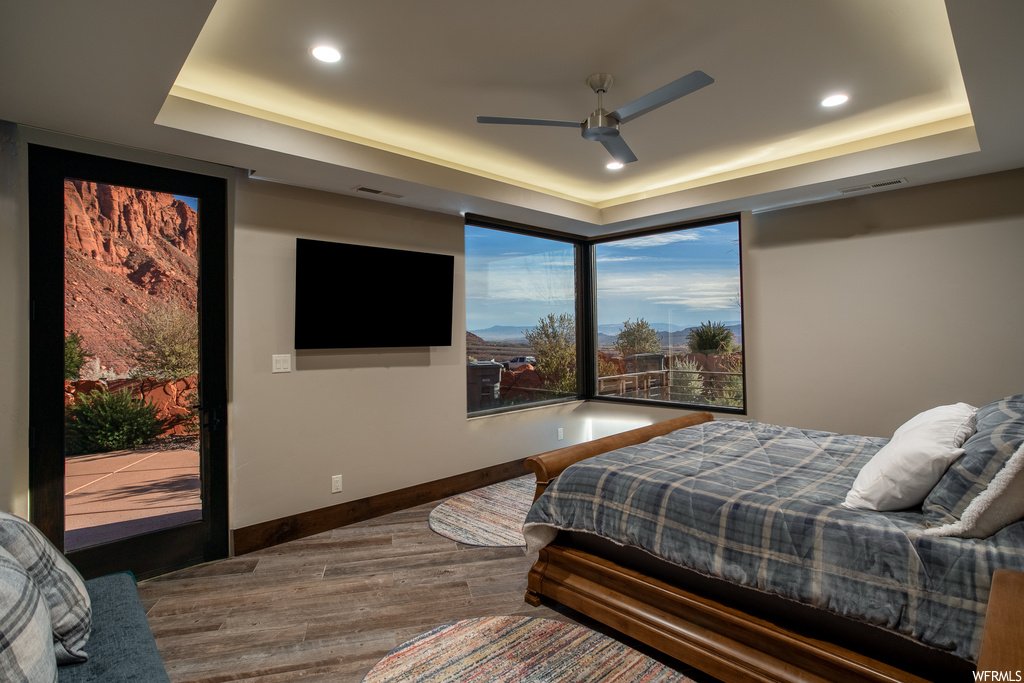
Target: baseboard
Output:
[(271, 533)]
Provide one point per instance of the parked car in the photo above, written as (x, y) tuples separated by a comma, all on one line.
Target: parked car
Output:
[(518, 362)]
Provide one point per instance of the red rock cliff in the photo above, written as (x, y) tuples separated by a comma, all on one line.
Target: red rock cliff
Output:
[(124, 248)]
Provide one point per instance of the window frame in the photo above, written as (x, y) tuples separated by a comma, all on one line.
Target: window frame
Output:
[(586, 309)]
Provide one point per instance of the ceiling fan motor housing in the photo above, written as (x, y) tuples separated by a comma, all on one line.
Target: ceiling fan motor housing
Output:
[(599, 126)]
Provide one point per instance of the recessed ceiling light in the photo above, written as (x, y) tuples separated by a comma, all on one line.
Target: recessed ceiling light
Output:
[(325, 53), (615, 165), (834, 100)]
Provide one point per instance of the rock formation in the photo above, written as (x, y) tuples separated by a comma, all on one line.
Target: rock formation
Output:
[(123, 249)]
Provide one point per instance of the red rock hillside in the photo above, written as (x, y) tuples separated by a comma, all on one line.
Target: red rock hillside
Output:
[(123, 249)]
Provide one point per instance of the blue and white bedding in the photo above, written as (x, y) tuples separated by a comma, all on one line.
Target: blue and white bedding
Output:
[(760, 505)]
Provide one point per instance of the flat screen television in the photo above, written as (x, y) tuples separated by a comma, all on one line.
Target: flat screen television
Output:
[(350, 296)]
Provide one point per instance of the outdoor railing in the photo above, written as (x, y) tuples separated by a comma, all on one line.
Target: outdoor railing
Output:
[(704, 387)]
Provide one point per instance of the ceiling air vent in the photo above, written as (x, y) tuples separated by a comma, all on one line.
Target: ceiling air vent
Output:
[(379, 193), (874, 186)]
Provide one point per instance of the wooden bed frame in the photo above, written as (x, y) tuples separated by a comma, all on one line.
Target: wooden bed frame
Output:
[(720, 639)]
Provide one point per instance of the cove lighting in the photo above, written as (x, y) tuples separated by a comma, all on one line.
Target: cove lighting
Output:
[(325, 53), (834, 100)]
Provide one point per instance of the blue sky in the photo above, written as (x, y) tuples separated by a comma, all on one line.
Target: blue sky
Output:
[(191, 201), (683, 278)]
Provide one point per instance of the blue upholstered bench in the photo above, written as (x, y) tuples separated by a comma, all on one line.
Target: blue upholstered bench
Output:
[(121, 646)]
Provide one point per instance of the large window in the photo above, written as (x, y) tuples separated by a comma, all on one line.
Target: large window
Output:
[(520, 319), (669, 317), (651, 317)]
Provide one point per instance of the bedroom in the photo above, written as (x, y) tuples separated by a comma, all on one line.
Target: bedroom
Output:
[(893, 286)]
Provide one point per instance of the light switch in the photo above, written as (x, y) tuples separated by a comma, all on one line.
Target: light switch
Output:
[(282, 362)]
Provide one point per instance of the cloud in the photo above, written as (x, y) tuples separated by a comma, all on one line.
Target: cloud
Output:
[(658, 240)]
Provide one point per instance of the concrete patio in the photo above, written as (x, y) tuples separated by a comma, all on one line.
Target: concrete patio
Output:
[(115, 495)]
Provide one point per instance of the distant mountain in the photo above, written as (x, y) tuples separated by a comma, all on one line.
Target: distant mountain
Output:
[(503, 333), (669, 335)]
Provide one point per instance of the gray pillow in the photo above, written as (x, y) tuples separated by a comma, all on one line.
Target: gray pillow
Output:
[(1000, 432), (26, 650), (61, 585)]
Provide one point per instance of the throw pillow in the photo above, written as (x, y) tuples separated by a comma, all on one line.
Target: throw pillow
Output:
[(26, 648), (61, 585), (1000, 504), (1000, 433), (903, 471)]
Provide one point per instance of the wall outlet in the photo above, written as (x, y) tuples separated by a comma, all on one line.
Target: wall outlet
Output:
[(336, 483), (561, 434)]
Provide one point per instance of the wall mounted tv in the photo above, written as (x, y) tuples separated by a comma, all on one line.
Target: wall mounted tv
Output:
[(349, 296)]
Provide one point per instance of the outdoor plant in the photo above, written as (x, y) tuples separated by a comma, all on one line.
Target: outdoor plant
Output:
[(686, 384), (710, 337), (638, 337), (554, 345), (102, 421), (74, 356), (166, 342)]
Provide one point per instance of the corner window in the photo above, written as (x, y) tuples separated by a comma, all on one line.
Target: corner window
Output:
[(520, 319), (669, 317)]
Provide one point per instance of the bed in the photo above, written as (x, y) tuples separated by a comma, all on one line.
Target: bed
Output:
[(732, 546)]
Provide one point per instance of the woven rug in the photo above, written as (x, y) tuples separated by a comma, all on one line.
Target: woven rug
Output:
[(491, 516), (518, 650)]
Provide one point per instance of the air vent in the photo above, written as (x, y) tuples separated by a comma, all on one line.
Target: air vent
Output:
[(379, 193), (874, 186)]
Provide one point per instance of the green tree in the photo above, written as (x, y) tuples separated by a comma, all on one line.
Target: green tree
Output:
[(710, 337), (638, 337), (554, 345), (74, 356), (166, 342)]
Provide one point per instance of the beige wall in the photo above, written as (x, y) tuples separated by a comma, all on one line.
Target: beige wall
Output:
[(383, 420), (862, 312), (859, 313), (13, 329)]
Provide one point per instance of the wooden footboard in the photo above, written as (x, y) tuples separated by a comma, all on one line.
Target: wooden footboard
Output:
[(716, 639)]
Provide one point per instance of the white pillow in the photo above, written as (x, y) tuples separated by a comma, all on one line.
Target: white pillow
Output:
[(901, 474), (1000, 504)]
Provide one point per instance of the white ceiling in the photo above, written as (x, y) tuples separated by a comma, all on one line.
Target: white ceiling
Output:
[(935, 89)]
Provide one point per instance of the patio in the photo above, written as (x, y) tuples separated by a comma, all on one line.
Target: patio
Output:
[(115, 495)]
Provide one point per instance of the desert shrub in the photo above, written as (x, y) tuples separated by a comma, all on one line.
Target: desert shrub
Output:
[(166, 343), (710, 337), (102, 421), (638, 337), (74, 356), (686, 384), (728, 391)]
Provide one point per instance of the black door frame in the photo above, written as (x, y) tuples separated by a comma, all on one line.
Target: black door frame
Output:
[(160, 551)]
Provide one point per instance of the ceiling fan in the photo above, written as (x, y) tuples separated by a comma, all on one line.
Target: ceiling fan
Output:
[(603, 126)]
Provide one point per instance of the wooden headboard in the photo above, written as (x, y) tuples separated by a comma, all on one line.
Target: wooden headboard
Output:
[(547, 466)]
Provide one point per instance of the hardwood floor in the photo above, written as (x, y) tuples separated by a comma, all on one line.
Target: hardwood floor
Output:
[(328, 607)]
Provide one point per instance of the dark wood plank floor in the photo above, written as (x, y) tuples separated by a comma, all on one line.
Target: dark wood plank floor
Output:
[(328, 607)]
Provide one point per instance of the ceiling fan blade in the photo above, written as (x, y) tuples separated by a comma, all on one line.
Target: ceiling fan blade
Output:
[(527, 122), (663, 95), (618, 148)]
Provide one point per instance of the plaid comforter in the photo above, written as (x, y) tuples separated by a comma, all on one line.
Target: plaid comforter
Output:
[(759, 505)]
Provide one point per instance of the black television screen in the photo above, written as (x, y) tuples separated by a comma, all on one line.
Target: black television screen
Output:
[(350, 296)]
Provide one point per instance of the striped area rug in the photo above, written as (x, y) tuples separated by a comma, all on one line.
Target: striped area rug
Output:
[(491, 516), (518, 650)]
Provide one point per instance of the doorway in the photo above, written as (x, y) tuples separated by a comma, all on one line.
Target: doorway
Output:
[(128, 465)]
